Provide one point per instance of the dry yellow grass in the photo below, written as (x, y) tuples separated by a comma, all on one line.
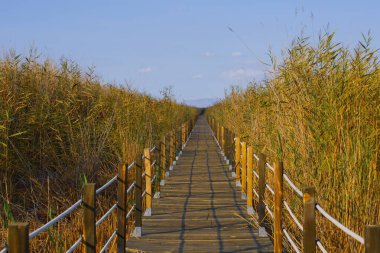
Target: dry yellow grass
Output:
[(321, 115), (60, 126)]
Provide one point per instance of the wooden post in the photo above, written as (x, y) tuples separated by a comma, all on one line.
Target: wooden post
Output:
[(138, 199), (232, 149), (222, 139), (18, 237), (183, 132), (89, 218), (261, 205), (278, 189), (163, 160), (243, 170), (309, 233), (249, 180), (122, 181), (156, 172), (218, 133), (171, 150), (372, 238), (237, 161), (148, 182)]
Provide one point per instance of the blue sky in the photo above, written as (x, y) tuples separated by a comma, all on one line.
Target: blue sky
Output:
[(183, 44)]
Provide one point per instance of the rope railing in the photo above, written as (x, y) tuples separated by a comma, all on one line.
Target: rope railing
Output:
[(256, 175), (268, 210), (131, 187), (320, 246), (55, 220), (290, 240), (75, 245), (293, 186), (106, 185), (308, 195), (130, 212), (164, 152), (299, 225), (339, 225), (105, 216), (105, 247), (269, 167), (269, 189), (153, 149)]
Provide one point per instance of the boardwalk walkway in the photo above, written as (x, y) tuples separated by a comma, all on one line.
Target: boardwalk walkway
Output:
[(200, 209)]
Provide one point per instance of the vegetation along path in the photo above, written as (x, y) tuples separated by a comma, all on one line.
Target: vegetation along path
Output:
[(200, 208)]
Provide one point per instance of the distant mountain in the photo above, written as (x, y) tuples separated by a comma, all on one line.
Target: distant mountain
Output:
[(201, 102)]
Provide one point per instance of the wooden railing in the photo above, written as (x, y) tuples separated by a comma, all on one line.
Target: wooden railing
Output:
[(248, 167), (137, 183)]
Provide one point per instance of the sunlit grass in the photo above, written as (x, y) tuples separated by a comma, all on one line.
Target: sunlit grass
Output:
[(59, 127), (320, 114)]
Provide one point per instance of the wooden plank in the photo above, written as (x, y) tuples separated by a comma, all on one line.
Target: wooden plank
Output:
[(200, 209)]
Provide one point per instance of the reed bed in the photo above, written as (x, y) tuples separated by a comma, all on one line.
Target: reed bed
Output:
[(320, 114), (61, 127)]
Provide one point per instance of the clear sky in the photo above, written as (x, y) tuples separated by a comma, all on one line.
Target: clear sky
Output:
[(183, 44)]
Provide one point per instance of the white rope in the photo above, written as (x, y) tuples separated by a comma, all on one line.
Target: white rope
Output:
[(293, 216), (131, 165), (256, 175), (320, 246), (153, 163), (75, 245), (269, 188), (153, 179), (153, 149), (294, 246), (143, 194), (269, 211), (56, 219), (293, 186), (105, 247), (340, 225), (131, 187), (269, 166), (130, 212), (106, 215), (256, 157), (255, 192), (112, 180)]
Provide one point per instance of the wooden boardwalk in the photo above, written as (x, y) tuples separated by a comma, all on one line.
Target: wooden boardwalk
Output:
[(200, 208)]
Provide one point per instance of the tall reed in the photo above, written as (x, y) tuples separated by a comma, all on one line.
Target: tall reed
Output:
[(320, 113), (60, 125)]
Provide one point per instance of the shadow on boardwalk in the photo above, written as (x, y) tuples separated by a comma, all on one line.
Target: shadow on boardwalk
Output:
[(200, 206)]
